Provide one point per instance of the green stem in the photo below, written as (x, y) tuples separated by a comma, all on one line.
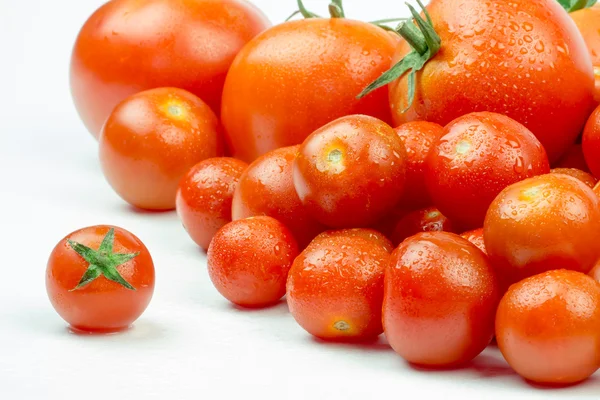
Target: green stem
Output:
[(413, 36), (336, 9), (388, 20)]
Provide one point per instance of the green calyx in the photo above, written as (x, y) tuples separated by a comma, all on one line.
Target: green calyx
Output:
[(425, 43), (103, 262), (574, 5)]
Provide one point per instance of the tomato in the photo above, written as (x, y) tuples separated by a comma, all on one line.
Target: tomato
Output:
[(425, 220), (584, 177), (100, 278), (299, 76), (365, 233), (588, 22), (547, 327), (351, 172), (418, 138), (573, 158), (205, 195), (595, 272), (543, 223), (128, 46), (335, 287), (597, 189), (267, 188), (478, 156), (248, 261), (151, 140), (440, 300), (591, 142), (476, 237)]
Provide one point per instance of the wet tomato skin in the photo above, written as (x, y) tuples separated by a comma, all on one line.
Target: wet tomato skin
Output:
[(591, 142), (425, 220), (476, 237), (440, 300), (573, 158), (365, 233), (587, 22), (205, 196), (351, 172), (547, 327), (583, 176)]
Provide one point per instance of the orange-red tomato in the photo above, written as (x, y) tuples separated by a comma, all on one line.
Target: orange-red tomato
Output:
[(151, 140), (440, 300), (425, 220), (205, 195), (573, 158), (547, 327), (588, 22), (597, 189), (591, 142), (479, 155), (267, 188), (100, 278), (351, 172), (300, 75), (583, 176), (476, 237), (365, 233), (249, 260), (335, 287), (128, 46), (543, 223), (595, 272)]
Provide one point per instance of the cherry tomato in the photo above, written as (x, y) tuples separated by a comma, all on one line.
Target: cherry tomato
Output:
[(351, 172), (588, 22), (205, 195), (595, 272), (128, 46), (100, 278), (591, 142), (543, 223), (425, 220), (440, 300), (547, 327), (365, 233), (249, 260), (476, 237), (584, 177), (573, 158), (151, 140), (479, 155), (335, 287)]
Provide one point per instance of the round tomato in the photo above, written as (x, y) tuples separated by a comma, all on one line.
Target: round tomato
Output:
[(547, 327), (128, 46), (584, 177), (151, 140), (588, 22), (365, 233), (100, 278), (479, 155), (573, 158), (351, 172), (440, 300), (591, 142), (425, 220), (476, 237), (205, 196)]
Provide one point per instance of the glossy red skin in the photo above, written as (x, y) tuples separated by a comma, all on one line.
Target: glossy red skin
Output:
[(267, 188), (364, 181), (102, 305), (547, 327), (440, 300), (573, 158), (365, 233), (476, 237), (479, 155), (523, 58), (205, 196), (588, 23), (597, 189), (595, 272), (425, 220), (145, 150), (249, 260), (128, 46), (543, 223), (418, 138), (584, 177), (335, 287), (300, 75), (591, 142)]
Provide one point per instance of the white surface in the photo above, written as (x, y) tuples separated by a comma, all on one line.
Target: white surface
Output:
[(190, 344)]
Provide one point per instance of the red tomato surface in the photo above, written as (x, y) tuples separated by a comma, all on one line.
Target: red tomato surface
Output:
[(365, 233), (573, 158), (425, 220), (476, 237), (591, 142), (479, 155), (595, 272), (440, 300), (597, 189), (584, 177), (205, 196), (547, 327), (128, 46), (151, 140), (588, 22)]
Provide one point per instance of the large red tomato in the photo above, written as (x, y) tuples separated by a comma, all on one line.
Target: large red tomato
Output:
[(128, 46)]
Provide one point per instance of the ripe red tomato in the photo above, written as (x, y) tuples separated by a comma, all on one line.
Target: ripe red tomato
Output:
[(591, 142), (351, 172), (300, 75), (476, 237), (128, 46), (335, 287), (425, 220), (100, 278), (479, 155), (249, 260), (267, 188), (573, 158), (440, 300), (584, 177), (595, 272), (597, 189), (588, 22), (151, 140), (205, 196), (543, 223), (547, 327), (365, 233)]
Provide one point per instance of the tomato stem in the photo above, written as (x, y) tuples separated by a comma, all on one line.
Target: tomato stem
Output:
[(413, 36), (574, 5), (336, 9)]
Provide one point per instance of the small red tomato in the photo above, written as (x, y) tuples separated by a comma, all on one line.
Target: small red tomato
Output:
[(351, 172), (584, 177), (151, 140), (476, 237), (595, 272), (100, 278), (365, 233), (591, 142), (587, 21), (418, 138), (426, 220), (440, 300), (205, 195), (335, 287), (249, 260), (267, 188), (573, 158), (479, 155), (547, 327)]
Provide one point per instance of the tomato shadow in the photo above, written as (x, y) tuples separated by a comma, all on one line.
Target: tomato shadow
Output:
[(484, 365), (140, 331), (591, 382), (141, 211), (376, 344), (278, 308)]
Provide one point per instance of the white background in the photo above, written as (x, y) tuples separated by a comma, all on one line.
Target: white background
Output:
[(190, 344)]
